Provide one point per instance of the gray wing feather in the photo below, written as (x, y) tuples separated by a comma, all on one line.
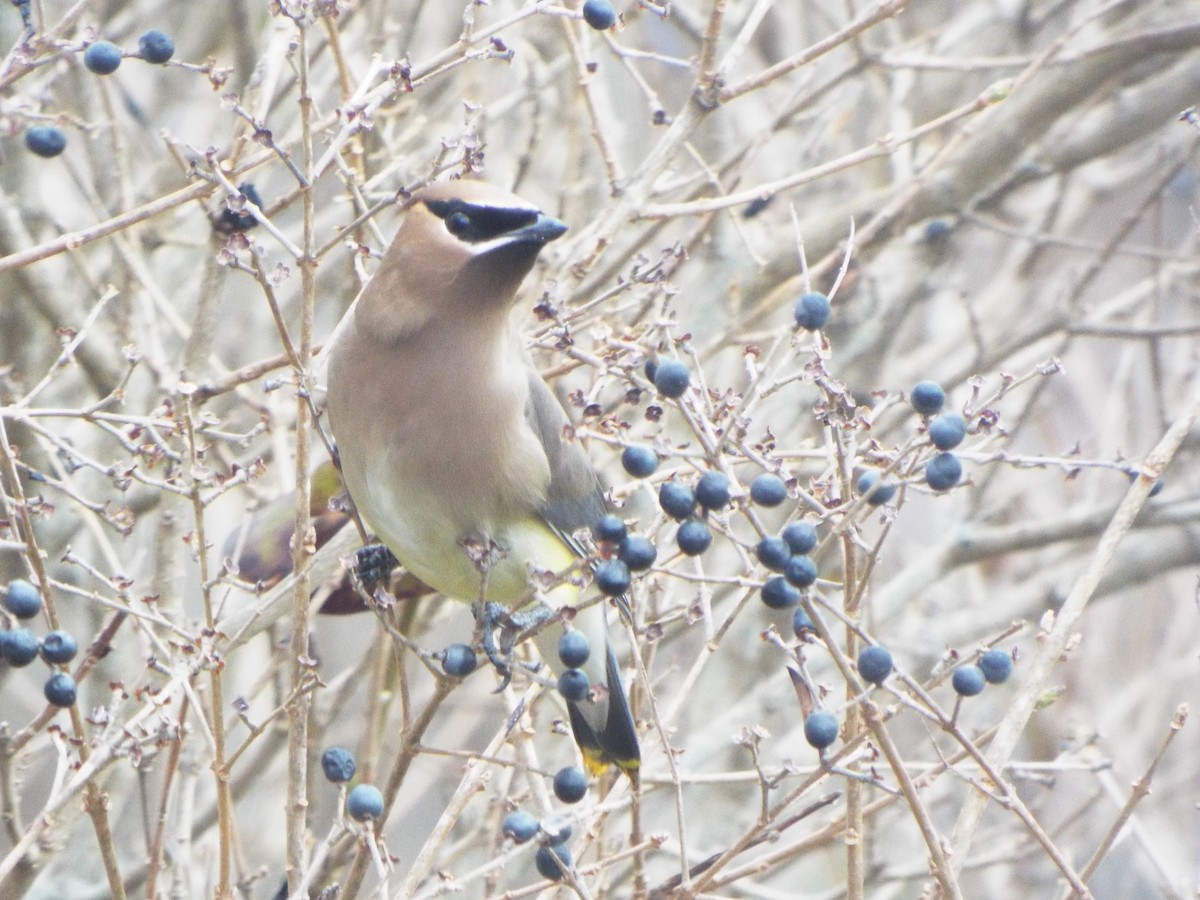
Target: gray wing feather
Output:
[(604, 729), (574, 499)]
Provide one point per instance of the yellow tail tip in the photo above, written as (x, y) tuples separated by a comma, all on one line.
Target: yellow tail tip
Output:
[(597, 762)]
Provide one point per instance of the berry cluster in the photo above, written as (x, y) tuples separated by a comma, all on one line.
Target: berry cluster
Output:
[(570, 784), (365, 801), (946, 430), (993, 667), (787, 556), (553, 858), (686, 503), (875, 664), (101, 58), (19, 646)]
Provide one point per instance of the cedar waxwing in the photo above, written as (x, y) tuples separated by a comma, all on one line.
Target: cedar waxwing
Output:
[(450, 441), (262, 546)]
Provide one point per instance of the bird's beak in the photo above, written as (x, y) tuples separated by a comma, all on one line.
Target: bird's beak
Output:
[(542, 231)]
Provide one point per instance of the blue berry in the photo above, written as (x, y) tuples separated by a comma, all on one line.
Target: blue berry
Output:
[(938, 230), (672, 378), (553, 862), (877, 493), (768, 490), (520, 826), (1155, 489), (756, 206), (59, 647), (802, 623), (927, 398), (610, 528), (968, 680), (943, 471), (612, 577), (364, 802), (599, 14), (801, 571), (459, 660), (874, 664), (639, 461), (45, 140), (650, 367), (574, 649), (773, 553), (677, 500), (947, 430), (556, 829), (801, 537), (573, 685), (338, 764), (60, 690), (22, 599), (996, 666), (712, 490), (778, 594), (250, 192), (570, 785), (693, 537), (821, 729), (231, 220), (637, 552), (156, 47), (812, 311), (20, 647), (102, 58)]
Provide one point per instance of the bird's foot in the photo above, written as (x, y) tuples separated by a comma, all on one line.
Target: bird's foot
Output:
[(491, 618), (373, 565), (488, 618)]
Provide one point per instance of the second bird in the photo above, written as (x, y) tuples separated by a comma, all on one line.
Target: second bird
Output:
[(449, 439)]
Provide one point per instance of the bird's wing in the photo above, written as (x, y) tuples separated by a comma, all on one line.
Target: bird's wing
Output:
[(574, 498), (604, 728)]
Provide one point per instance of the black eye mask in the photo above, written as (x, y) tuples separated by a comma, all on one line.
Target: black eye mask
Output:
[(475, 223)]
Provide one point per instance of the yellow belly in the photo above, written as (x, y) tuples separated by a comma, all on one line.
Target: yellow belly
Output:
[(433, 549)]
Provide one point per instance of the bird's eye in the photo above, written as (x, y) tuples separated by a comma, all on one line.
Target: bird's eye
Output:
[(458, 223), (475, 223)]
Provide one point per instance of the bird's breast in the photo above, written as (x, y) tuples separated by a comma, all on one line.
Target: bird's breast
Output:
[(439, 460)]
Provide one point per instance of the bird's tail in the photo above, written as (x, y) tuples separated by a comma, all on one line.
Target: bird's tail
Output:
[(603, 723), (604, 728)]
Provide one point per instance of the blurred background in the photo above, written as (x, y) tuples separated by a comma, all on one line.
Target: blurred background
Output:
[(997, 196)]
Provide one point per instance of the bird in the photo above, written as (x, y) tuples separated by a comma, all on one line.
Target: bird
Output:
[(453, 448), (261, 546)]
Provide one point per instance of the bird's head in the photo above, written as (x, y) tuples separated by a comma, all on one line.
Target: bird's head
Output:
[(463, 248)]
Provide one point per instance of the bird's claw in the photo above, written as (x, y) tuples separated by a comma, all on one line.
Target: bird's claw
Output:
[(490, 617), (373, 565), (495, 617)]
